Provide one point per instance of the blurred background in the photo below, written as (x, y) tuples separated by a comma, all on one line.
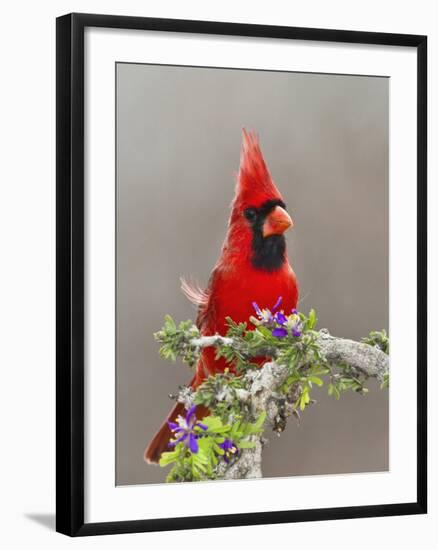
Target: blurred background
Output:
[(325, 140)]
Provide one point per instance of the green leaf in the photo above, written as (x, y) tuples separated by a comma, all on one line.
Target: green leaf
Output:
[(316, 380), (385, 382), (246, 444), (264, 331), (260, 421), (214, 424), (168, 458), (312, 319)]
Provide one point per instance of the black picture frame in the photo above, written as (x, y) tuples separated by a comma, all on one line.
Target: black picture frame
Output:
[(70, 272)]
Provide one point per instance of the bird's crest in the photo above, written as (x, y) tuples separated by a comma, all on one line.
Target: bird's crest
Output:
[(254, 182)]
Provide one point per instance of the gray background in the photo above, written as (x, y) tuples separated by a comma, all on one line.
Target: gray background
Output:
[(325, 139)]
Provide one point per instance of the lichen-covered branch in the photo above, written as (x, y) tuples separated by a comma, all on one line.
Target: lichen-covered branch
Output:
[(228, 443), (369, 360), (263, 384)]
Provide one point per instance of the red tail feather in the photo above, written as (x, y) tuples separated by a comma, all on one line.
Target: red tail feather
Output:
[(160, 441)]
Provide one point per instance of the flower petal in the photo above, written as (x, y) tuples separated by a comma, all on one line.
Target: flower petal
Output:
[(277, 303), (267, 316), (201, 425), (280, 318), (190, 414), (173, 426), (279, 332), (226, 444), (296, 332), (181, 438), (257, 310), (193, 443)]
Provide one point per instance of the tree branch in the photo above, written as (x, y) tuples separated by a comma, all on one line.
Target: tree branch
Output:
[(263, 384), (369, 360)]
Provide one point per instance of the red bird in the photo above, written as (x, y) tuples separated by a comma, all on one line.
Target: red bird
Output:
[(253, 267)]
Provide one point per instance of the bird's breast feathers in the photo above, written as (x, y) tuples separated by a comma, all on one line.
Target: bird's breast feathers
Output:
[(233, 292)]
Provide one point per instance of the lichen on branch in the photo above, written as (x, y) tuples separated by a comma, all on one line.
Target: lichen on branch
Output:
[(244, 400)]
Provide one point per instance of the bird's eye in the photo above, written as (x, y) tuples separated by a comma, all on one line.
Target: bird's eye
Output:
[(250, 214)]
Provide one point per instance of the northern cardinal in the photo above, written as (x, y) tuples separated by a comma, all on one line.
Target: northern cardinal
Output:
[(253, 267)]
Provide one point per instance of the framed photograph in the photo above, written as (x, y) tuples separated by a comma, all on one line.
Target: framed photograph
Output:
[(241, 274)]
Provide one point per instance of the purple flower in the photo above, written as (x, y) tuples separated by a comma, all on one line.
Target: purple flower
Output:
[(296, 327), (229, 448), (277, 321), (295, 331), (279, 332), (184, 430), (264, 314), (280, 318)]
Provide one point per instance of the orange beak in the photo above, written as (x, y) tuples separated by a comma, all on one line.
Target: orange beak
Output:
[(277, 222)]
